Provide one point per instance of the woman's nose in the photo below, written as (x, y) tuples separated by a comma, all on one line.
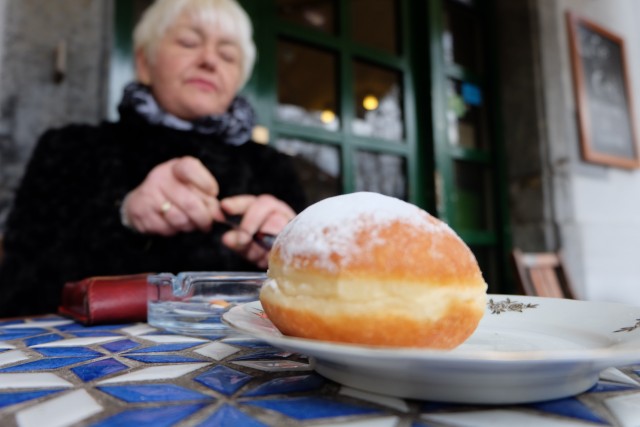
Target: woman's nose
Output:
[(209, 58)]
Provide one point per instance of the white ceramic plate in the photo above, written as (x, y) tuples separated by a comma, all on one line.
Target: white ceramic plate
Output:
[(525, 349)]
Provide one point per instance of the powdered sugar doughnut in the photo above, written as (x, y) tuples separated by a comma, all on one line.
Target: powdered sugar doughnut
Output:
[(371, 269)]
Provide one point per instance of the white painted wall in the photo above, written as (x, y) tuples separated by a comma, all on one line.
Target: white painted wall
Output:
[(597, 208)]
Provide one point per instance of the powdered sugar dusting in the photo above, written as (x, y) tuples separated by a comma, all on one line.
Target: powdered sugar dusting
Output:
[(327, 229)]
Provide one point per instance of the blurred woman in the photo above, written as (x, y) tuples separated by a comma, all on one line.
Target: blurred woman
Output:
[(152, 191)]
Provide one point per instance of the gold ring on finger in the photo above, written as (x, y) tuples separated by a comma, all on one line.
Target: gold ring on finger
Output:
[(165, 207)]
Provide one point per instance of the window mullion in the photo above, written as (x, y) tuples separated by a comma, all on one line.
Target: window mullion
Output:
[(345, 88)]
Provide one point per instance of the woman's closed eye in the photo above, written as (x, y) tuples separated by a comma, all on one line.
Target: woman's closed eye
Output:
[(229, 53), (189, 42), (188, 38)]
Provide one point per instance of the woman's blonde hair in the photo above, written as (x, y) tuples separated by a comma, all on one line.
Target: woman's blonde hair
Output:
[(227, 15)]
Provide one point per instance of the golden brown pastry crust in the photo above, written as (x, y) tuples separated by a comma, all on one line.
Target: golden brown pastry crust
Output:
[(407, 254), (379, 328), (408, 281)]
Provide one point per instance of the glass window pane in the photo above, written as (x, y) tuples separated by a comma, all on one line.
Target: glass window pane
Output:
[(307, 86), (473, 201), (317, 14), (382, 173), (462, 38), (465, 115), (374, 23), (378, 102), (317, 165)]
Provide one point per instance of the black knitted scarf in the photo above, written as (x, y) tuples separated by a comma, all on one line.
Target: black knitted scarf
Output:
[(233, 127)]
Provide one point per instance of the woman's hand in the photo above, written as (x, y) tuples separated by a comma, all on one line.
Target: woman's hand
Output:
[(262, 213), (179, 195)]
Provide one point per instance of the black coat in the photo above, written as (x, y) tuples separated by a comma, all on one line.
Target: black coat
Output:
[(65, 222)]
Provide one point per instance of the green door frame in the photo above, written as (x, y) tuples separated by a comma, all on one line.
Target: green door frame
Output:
[(497, 238), (268, 28)]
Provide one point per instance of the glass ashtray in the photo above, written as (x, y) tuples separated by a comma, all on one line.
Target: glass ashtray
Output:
[(192, 303)]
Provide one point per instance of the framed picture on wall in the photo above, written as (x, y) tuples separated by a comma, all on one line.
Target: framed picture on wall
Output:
[(603, 94)]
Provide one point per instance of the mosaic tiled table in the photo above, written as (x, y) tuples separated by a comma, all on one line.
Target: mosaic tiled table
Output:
[(54, 372)]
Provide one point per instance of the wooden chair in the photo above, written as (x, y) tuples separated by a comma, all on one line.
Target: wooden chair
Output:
[(542, 274)]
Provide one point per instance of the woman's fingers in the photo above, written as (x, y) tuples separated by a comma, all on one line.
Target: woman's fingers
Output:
[(190, 209), (179, 195), (262, 213), (201, 203), (191, 172), (175, 217), (145, 213), (242, 243), (259, 213), (237, 205)]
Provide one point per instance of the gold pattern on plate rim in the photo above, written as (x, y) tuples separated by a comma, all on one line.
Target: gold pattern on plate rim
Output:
[(630, 328), (508, 305)]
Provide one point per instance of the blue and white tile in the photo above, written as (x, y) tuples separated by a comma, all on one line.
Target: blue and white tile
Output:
[(616, 375), (162, 358), (7, 323), (12, 356), (173, 347), (217, 350), (570, 407), (42, 339), (98, 360), (245, 341), (66, 351), (60, 411), (138, 329), (147, 393), (78, 342), (390, 402), (228, 415), (270, 353), (366, 422), (8, 400), (53, 323), (314, 407), (98, 369), (223, 379), (7, 334), (275, 365), (167, 415), (625, 408), (32, 380), (46, 364), (501, 418), (162, 372), (287, 385), (119, 346), (171, 338)]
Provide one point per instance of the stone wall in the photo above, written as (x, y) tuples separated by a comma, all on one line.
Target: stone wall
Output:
[(30, 99)]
